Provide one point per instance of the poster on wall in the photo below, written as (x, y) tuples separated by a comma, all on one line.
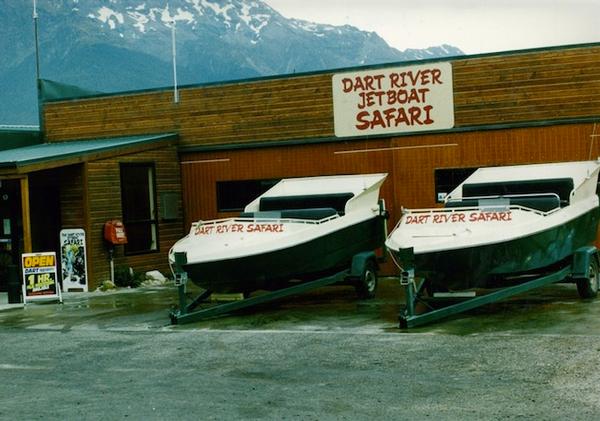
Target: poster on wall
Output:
[(393, 100), (73, 260), (40, 280)]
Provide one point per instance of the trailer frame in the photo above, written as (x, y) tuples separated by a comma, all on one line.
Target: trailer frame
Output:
[(357, 273), (582, 269)]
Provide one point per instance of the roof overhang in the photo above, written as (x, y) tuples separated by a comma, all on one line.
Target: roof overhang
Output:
[(58, 154)]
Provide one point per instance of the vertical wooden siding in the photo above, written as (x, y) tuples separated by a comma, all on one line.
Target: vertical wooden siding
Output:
[(104, 195), (504, 88)]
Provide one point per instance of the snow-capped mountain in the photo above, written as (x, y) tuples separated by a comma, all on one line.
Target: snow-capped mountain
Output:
[(120, 45)]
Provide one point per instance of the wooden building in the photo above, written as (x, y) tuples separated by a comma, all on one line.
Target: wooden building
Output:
[(425, 123), (49, 187)]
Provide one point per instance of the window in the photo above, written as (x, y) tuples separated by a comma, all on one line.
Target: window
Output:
[(235, 195), (447, 179), (138, 198)]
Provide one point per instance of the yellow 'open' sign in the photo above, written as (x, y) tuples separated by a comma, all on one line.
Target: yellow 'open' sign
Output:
[(40, 279)]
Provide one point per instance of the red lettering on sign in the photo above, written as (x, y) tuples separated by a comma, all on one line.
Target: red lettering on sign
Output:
[(417, 219), (457, 217), (227, 228), (504, 216), (204, 229), (362, 83), (394, 117), (264, 228), (421, 77)]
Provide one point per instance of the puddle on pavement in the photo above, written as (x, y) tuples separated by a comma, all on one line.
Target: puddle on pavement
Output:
[(555, 309)]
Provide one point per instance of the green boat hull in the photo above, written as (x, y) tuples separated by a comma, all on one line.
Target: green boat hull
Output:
[(491, 265), (322, 256)]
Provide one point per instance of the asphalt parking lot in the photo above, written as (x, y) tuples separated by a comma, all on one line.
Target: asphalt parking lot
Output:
[(321, 355)]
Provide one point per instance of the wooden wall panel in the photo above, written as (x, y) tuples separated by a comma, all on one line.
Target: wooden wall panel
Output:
[(72, 196), (504, 88), (409, 160), (527, 86), (104, 193)]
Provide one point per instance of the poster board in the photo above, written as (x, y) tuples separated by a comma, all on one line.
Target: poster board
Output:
[(40, 280), (73, 260)]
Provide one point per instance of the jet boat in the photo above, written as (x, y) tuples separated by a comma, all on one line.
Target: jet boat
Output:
[(500, 225), (301, 229)]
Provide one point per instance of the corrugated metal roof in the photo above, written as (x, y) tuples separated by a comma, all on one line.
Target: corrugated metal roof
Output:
[(44, 152)]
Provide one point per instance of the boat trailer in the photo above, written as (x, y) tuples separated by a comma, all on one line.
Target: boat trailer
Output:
[(362, 273), (583, 269)]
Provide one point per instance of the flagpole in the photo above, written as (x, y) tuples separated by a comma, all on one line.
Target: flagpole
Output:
[(174, 51), (38, 81), (35, 29)]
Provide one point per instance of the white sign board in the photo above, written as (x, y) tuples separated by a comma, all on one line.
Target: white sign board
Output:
[(393, 100), (73, 260)]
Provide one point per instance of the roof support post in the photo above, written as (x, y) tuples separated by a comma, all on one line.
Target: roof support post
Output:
[(26, 215)]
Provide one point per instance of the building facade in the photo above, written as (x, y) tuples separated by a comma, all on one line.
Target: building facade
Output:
[(427, 124)]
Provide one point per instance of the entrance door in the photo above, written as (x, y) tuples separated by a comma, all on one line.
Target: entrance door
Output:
[(44, 202), (11, 227)]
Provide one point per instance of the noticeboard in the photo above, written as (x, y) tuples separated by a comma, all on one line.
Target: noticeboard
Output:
[(40, 277), (73, 260)]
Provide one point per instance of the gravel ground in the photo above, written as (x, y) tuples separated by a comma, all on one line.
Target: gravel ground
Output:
[(323, 356)]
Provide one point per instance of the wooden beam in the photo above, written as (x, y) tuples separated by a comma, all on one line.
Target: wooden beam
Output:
[(26, 216), (87, 223)]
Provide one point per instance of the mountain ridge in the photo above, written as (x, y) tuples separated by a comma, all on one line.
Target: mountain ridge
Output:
[(125, 45)]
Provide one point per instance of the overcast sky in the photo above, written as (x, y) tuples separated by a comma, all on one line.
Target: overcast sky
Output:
[(474, 26)]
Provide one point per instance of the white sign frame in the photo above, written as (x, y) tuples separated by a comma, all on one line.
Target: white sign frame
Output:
[(73, 260), (393, 100)]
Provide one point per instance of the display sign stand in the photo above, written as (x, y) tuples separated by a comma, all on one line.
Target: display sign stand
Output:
[(40, 280), (73, 260)]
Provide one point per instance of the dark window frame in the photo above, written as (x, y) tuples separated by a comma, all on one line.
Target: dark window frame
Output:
[(452, 178), (153, 221), (234, 195)]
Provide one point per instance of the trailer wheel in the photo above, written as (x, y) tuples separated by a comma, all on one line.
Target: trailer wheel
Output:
[(367, 283), (588, 287)]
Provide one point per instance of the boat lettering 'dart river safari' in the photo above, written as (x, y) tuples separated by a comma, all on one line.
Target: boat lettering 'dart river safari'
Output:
[(301, 228), (499, 224)]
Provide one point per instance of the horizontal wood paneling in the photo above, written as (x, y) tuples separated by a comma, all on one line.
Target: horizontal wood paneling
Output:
[(104, 195), (557, 84), (503, 88)]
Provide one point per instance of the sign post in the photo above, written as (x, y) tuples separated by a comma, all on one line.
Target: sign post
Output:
[(40, 280), (73, 260)]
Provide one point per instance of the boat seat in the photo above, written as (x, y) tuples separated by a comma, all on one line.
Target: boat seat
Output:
[(541, 203), (560, 186), (336, 201), (315, 214)]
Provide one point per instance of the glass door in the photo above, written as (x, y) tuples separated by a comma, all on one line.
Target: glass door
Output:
[(10, 227)]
